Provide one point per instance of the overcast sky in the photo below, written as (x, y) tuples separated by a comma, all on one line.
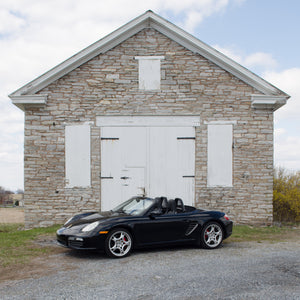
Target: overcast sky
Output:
[(35, 35)]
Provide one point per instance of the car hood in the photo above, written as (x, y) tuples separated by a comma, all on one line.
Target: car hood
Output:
[(93, 217)]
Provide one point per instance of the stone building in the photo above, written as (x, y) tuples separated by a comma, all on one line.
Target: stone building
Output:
[(148, 110)]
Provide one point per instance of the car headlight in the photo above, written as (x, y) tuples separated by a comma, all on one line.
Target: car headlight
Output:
[(90, 226)]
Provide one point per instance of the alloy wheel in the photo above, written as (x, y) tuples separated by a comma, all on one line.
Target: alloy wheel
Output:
[(119, 243), (212, 235)]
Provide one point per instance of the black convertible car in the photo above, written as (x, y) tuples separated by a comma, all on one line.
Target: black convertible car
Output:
[(143, 222)]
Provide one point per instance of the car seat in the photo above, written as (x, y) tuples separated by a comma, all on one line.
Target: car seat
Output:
[(179, 205), (164, 205), (172, 207)]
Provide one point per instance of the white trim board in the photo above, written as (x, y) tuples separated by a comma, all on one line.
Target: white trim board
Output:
[(148, 121), (221, 122), (149, 57)]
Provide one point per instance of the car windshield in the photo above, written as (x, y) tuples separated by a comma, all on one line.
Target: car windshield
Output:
[(134, 206)]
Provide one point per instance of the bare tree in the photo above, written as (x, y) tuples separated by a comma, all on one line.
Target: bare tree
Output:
[(4, 195)]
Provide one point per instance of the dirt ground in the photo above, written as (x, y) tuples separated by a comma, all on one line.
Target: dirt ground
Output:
[(12, 215), (42, 265)]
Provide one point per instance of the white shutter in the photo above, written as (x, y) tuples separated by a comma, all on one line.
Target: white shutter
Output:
[(77, 156), (149, 72), (219, 158)]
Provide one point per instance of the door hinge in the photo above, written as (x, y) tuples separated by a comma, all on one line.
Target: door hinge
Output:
[(109, 139)]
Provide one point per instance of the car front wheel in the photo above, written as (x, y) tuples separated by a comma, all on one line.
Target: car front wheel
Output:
[(211, 235), (118, 243)]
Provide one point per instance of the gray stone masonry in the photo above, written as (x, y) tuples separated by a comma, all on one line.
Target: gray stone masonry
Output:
[(108, 85)]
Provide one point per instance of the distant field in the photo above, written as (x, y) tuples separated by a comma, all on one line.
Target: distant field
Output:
[(12, 215)]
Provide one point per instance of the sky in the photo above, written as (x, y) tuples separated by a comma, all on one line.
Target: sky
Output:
[(35, 35)]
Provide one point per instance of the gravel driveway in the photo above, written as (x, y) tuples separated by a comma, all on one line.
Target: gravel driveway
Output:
[(235, 271)]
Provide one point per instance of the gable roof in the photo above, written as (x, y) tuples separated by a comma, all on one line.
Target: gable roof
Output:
[(26, 95)]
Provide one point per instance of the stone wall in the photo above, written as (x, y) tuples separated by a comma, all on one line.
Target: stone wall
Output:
[(108, 85)]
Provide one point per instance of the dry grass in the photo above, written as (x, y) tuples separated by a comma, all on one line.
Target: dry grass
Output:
[(12, 215), (244, 233)]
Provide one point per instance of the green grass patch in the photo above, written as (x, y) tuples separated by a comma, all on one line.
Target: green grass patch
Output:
[(244, 233), (16, 244)]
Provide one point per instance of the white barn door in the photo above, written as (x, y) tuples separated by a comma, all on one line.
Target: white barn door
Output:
[(123, 164), (147, 160), (172, 162)]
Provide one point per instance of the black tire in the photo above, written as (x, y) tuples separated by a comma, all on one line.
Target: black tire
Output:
[(118, 243), (211, 235)]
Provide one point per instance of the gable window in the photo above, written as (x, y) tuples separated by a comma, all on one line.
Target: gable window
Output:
[(149, 72)]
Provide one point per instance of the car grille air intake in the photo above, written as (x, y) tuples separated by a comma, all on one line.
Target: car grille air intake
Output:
[(75, 242)]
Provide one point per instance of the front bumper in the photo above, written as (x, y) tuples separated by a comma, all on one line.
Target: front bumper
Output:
[(70, 239)]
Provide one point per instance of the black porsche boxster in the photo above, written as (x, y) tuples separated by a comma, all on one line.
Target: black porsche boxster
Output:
[(143, 222)]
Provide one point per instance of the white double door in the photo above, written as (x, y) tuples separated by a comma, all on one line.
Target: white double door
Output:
[(147, 161)]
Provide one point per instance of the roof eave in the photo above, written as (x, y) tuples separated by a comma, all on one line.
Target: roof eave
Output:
[(26, 101), (267, 102)]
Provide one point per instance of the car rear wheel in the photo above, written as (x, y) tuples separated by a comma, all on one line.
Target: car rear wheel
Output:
[(118, 243), (211, 235)]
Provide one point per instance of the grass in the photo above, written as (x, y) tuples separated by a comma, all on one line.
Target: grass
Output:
[(244, 233), (16, 244)]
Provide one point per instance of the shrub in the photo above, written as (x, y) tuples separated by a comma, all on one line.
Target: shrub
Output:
[(286, 196)]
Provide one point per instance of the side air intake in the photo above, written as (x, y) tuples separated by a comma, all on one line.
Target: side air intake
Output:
[(191, 228)]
